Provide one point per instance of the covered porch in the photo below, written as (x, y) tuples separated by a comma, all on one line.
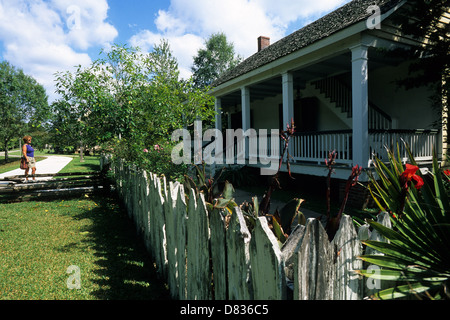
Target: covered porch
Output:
[(344, 98)]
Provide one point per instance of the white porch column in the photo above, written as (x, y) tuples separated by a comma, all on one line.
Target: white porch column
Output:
[(218, 109), (288, 98), (360, 105), (288, 103), (245, 103)]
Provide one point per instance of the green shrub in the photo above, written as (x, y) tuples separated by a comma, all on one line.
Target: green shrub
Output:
[(417, 254)]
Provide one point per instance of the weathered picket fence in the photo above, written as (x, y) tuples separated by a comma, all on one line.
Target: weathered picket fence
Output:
[(201, 256)]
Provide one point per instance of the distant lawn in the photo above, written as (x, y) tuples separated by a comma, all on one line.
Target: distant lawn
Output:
[(40, 240), (90, 163)]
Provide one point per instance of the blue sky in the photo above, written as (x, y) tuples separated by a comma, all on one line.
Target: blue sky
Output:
[(45, 36)]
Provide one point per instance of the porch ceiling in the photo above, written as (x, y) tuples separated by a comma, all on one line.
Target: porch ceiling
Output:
[(335, 65)]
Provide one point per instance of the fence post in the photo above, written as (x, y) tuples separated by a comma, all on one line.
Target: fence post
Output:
[(238, 265), (267, 266), (198, 268)]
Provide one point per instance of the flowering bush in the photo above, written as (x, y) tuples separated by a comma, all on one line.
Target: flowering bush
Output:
[(155, 159)]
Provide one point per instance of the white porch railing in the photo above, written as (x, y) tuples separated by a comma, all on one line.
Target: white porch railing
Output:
[(421, 143), (316, 146)]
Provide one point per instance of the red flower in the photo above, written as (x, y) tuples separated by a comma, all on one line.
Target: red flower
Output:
[(410, 174), (447, 172)]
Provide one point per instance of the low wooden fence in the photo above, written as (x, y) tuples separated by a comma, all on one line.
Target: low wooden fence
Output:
[(209, 255), (13, 188)]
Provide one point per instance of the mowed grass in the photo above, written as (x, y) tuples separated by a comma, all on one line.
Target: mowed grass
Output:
[(89, 164), (40, 240)]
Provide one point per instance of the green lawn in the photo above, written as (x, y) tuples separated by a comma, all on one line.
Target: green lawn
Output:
[(39, 240), (90, 163)]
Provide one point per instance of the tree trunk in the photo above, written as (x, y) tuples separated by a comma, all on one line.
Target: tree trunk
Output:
[(81, 151), (6, 150)]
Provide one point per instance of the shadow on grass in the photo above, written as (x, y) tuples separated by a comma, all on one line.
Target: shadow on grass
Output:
[(126, 271)]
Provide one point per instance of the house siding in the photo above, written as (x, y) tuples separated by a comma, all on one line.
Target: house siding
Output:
[(411, 108)]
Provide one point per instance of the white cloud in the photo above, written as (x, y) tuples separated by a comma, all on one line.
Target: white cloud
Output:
[(43, 37), (85, 22), (186, 24), (183, 46)]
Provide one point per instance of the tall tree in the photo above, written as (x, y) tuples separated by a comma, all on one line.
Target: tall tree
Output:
[(212, 61), (129, 99), (23, 103)]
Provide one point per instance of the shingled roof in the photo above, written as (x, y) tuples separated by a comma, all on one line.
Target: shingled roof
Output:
[(345, 16)]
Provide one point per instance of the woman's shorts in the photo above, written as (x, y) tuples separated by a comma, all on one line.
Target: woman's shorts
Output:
[(31, 162)]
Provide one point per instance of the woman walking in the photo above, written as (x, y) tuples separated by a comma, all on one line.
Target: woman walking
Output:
[(28, 153)]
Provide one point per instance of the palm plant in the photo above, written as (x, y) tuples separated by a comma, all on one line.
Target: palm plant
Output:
[(417, 254)]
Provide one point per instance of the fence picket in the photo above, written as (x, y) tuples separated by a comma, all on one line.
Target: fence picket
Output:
[(198, 268), (169, 207), (312, 275), (157, 225), (347, 284), (180, 216), (267, 266), (238, 264), (219, 254)]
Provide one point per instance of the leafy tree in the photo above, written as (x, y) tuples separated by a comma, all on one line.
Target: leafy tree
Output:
[(129, 101), (23, 103), (214, 60), (425, 21), (74, 120)]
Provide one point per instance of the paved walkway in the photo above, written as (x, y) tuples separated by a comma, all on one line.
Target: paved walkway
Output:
[(53, 164)]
